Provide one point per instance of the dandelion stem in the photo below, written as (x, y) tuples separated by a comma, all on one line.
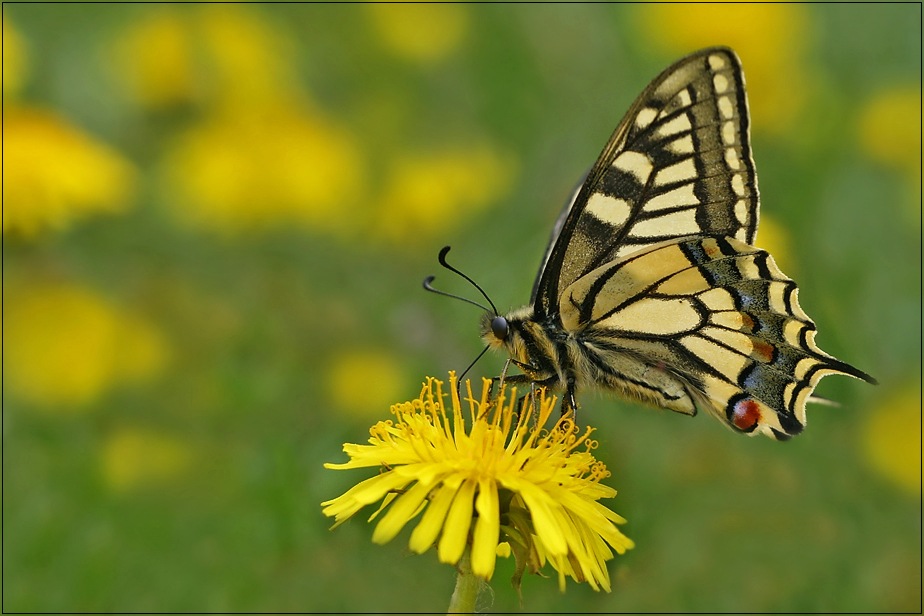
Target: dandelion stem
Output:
[(467, 585)]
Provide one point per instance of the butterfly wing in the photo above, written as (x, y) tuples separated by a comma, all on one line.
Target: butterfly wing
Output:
[(679, 164), (705, 322)]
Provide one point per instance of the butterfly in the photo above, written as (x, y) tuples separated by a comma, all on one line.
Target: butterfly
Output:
[(651, 286)]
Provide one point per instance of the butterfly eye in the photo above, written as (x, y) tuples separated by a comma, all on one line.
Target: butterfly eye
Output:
[(499, 327)]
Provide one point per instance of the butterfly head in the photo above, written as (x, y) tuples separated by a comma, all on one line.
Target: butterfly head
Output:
[(506, 332)]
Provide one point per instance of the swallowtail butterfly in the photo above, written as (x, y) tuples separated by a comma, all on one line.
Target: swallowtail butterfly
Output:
[(651, 285)]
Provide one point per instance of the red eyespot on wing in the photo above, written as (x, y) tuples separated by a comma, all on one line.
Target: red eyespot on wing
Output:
[(745, 415)]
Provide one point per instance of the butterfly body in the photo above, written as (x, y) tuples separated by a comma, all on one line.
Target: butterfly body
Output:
[(651, 287)]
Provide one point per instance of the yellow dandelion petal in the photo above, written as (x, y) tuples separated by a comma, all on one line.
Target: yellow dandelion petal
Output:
[(402, 509), (458, 520), (493, 480), (362, 494), (543, 517), (428, 529), (487, 529)]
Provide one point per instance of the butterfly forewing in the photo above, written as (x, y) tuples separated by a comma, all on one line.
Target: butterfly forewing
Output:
[(678, 165)]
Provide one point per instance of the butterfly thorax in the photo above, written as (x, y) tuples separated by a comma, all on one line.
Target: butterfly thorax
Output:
[(563, 359), (536, 347)]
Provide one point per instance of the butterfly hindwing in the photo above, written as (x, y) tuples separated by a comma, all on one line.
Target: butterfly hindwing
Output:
[(706, 323), (678, 165)]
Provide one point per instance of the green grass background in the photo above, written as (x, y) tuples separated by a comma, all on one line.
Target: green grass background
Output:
[(721, 522)]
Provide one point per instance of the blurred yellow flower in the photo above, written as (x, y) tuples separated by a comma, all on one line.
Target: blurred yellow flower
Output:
[(426, 193), (154, 59), (136, 458), (249, 58), (382, 378), (220, 52), (890, 129), (773, 238), (486, 476), (420, 32), (65, 346), (892, 438), (250, 168), (14, 60), (54, 173), (770, 38)]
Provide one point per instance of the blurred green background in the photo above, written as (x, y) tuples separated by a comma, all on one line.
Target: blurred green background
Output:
[(216, 219)]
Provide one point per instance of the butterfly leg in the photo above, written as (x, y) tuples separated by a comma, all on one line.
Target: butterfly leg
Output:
[(569, 401)]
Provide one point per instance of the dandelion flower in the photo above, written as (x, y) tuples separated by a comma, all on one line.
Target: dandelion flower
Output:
[(490, 480)]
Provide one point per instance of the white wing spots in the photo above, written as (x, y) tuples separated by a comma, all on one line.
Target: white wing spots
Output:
[(678, 172), (737, 184), (726, 108), (718, 299), (741, 235), (732, 160), (797, 309), (725, 361), (645, 117), (680, 124), (683, 145), (729, 131), (688, 282), (802, 397), (680, 196), (776, 296), (792, 333), (655, 317), (684, 98), (676, 224), (804, 365), (717, 62), (635, 163), (736, 340), (607, 209), (776, 273), (731, 319), (788, 392), (748, 268), (626, 250), (720, 83), (741, 211)]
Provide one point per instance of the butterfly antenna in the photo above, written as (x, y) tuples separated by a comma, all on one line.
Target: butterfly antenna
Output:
[(429, 287), (444, 263), (474, 361)]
